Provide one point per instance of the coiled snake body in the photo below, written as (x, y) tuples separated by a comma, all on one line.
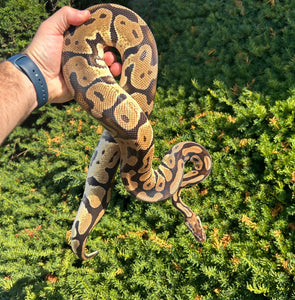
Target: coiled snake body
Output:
[(123, 109)]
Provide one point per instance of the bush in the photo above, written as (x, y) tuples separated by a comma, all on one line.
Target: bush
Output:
[(146, 252), (242, 43), (19, 21)]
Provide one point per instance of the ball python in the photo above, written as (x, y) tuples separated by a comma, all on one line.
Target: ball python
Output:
[(123, 110)]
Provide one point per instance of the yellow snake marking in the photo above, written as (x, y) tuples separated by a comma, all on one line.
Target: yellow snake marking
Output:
[(168, 173), (177, 177), (85, 219), (208, 162), (127, 114), (142, 101), (145, 136), (129, 32), (129, 184), (145, 162), (75, 243), (145, 197), (186, 210), (123, 110), (94, 201)]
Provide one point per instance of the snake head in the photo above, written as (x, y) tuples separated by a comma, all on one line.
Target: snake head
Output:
[(194, 224)]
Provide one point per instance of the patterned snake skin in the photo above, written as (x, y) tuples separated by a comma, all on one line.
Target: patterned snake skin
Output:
[(123, 110)]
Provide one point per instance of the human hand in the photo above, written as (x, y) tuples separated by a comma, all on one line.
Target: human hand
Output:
[(46, 50)]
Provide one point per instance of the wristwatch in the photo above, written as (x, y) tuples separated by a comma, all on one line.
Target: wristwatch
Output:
[(28, 67)]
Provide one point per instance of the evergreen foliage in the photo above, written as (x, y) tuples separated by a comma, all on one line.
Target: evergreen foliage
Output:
[(19, 21), (242, 43), (145, 251)]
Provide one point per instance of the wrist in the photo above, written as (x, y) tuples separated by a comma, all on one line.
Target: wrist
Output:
[(20, 85), (17, 100), (26, 65), (57, 89)]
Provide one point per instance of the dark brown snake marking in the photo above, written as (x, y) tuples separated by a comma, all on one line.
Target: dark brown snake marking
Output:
[(124, 110)]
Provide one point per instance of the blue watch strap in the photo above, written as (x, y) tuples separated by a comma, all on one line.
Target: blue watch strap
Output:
[(28, 67)]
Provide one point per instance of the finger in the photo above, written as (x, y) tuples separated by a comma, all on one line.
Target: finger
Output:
[(77, 17), (109, 58), (65, 17), (116, 69)]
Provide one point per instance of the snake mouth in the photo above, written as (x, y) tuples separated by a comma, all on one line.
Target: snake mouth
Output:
[(196, 229)]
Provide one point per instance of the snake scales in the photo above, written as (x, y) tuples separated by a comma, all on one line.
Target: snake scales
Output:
[(123, 110)]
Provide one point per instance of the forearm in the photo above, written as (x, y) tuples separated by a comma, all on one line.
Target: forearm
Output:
[(17, 98)]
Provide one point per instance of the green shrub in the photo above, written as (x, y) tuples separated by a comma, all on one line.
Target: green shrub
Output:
[(146, 252), (19, 21), (242, 43)]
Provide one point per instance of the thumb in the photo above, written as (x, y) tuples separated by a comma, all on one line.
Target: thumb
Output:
[(66, 16)]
